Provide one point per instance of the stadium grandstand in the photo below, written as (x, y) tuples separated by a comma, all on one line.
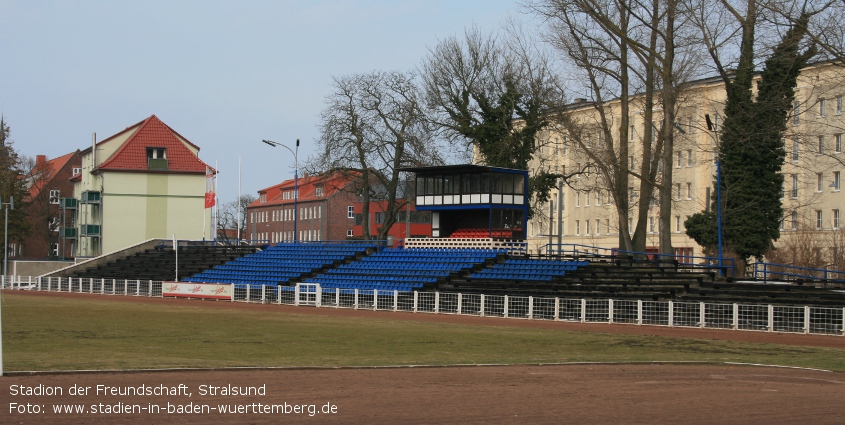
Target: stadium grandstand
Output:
[(476, 247)]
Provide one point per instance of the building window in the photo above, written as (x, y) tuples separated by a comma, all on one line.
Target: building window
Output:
[(821, 107), (819, 182), (54, 196), (577, 227), (349, 233), (836, 181), (598, 227), (820, 150), (678, 191), (795, 149), (794, 220), (680, 159), (677, 224), (836, 219), (587, 223), (318, 192), (607, 226), (350, 212), (837, 143), (839, 105), (689, 157), (598, 197), (577, 199), (794, 193), (651, 224), (796, 113), (818, 219), (77, 171), (689, 191), (588, 198)]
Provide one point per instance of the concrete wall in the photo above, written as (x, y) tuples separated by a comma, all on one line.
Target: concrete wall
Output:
[(36, 268)]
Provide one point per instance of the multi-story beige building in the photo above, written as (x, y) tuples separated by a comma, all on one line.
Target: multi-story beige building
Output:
[(142, 183), (812, 199)]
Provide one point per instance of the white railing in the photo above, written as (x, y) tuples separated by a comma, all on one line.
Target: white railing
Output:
[(710, 315)]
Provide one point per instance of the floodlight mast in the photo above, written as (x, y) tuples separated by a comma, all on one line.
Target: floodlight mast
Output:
[(295, 182)]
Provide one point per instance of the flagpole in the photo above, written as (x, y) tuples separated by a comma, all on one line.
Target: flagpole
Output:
[(238, 204), (216, 209)]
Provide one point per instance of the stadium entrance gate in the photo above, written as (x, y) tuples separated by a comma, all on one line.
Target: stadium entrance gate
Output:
[(308, 294)]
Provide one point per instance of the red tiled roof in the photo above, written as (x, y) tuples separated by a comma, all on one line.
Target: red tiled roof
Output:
[(307, 189), (49, 169), (153, 133)]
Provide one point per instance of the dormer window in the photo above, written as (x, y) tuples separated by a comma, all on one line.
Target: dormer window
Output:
[(157, 158), (318, 192)]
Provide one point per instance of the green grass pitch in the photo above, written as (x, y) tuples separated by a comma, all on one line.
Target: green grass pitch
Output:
[(61, 333)]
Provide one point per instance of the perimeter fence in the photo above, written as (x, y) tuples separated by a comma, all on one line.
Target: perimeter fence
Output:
[(711, 315)]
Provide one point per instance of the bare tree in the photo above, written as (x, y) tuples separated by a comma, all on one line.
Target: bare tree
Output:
[(491, 93), (621, 47), (372, 126), (228, 217)]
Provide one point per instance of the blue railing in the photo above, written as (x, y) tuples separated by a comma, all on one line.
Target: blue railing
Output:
[(689, 261), (768, 271)]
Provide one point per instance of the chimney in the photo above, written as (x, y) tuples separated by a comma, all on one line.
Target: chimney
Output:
[(580, 100), (40, 161)]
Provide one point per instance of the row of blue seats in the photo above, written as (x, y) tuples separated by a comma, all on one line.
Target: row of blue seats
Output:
[(248, 274), (294, 256), (386, 272), (376, 276), (365, 280), (238, 280), (497, 275), (267, 267), (266, 263)]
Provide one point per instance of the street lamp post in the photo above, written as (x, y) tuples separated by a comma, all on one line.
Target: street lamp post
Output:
[(295, 182), (11, 204), (711, 127)]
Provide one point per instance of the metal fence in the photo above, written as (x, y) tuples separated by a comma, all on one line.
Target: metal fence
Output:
[(735, 316)]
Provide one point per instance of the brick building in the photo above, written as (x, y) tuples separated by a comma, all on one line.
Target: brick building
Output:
[(324, 210), (418, 225), (49, 182)]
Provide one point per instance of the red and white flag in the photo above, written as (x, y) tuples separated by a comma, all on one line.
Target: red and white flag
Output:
[(210, 199)]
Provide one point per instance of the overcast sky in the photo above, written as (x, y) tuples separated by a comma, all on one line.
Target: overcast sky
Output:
[(224, 74)]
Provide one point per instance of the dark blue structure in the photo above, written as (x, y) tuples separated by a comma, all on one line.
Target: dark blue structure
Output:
[(473, 200)]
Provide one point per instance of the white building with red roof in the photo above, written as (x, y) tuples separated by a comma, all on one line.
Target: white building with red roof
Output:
[(145, 182)]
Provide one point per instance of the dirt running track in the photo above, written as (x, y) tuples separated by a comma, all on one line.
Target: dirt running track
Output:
[(689, 394)]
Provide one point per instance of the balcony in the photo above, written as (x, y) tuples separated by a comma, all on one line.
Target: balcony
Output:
[(157, 164), (68, 203), (68, 233), (90, 197), (90, 230)]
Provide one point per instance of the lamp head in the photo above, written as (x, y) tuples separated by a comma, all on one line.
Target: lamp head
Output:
[(273, 144)]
